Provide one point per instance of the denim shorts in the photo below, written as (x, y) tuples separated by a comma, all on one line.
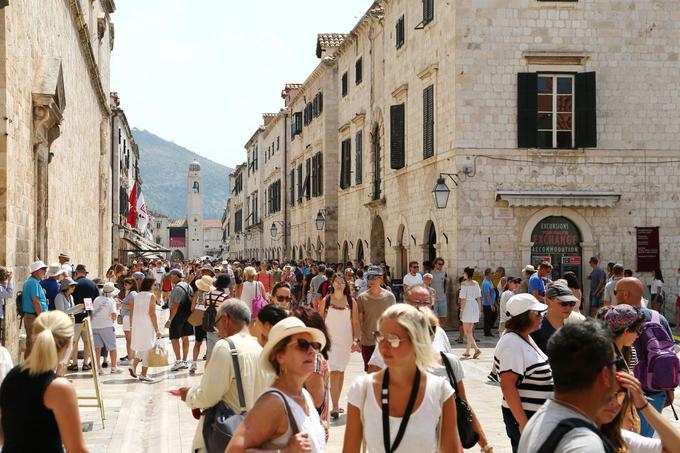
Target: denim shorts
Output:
[(596, 301)]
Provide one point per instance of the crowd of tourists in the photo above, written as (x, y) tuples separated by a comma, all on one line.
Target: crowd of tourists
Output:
[(279, 338)]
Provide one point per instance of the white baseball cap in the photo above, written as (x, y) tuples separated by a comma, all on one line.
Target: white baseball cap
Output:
[(521, 303)]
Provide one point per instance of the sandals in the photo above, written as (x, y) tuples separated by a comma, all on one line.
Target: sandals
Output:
[(87, 367), (72, 368), (466, 355), (477, 354), (132, 372), (335, 415)]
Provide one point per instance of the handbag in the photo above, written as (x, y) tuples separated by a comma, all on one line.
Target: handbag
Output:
[(196, 316), (158, 355), (257, 303), (468, 436), (220, 421)]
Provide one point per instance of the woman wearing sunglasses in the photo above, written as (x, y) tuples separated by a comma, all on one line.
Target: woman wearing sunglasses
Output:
[(612, 416), (285, 417), (342, 320), (282, 295), (561, 302), (402, 407), (524, 371)]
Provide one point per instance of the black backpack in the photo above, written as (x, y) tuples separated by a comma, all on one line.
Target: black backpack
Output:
[(210, 314), (567, 425), (20, 304)]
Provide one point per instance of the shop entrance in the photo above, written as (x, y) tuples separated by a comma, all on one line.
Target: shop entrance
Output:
[(557, 240)]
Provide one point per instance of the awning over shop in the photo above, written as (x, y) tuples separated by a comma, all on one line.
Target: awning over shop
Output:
[(139, 245), (520, 198)]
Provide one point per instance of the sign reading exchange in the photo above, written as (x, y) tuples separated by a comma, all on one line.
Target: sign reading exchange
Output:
[(648, 257), (556, 235)]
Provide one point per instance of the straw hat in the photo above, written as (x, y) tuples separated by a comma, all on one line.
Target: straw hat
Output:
[(285, 328), (110, 289), (205, 283)]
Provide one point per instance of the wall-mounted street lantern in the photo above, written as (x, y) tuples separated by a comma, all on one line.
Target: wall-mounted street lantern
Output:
[(441, 191)]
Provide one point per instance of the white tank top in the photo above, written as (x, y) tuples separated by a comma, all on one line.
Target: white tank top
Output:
[(310, 424)]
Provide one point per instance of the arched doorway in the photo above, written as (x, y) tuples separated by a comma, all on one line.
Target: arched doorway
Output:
[(557, 240), (377, 240), (430, 251), (360, 250), (345, 252), (402, 254)]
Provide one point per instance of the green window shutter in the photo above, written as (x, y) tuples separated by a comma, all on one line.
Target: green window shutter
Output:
[(586, 110), (358, 159), (527, 109), (428, 122), (397, 142)]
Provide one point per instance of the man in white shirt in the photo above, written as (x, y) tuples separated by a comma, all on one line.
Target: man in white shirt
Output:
[(104, 313), (617, 274), (413, 277), (219, 379), (582, 357)]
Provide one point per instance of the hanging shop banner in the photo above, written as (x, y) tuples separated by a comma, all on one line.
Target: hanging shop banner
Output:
[(648, 257)]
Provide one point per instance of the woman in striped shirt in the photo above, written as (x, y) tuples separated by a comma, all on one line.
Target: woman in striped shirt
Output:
[(525, 375)]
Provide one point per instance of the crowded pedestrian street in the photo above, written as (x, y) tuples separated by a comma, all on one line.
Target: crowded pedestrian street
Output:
[(353, 226)]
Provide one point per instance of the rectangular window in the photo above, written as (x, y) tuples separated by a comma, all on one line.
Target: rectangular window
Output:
[(344, 86), (358, 71), (255, 158), (358, 159), (399, 32), (397, 139), (556, 111), (295, 124), (238, 221), (428, 122), (345, 163), (319, 172), (315, 176), (428, 11)]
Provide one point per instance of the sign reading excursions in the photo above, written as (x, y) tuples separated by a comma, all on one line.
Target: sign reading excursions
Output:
[(555, 235), (648, 257)]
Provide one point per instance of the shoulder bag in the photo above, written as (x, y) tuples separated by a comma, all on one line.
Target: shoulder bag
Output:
[(468, 436), (257, 303), (220, 421)]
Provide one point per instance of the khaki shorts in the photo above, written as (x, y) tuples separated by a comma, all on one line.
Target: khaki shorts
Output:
[(29, 319)]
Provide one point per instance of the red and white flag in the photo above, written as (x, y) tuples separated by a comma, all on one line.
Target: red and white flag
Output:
[(132, 211)]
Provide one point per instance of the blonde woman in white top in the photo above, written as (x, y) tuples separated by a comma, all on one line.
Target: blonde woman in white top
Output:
[(409, 399), (251, 287), (470, 299)]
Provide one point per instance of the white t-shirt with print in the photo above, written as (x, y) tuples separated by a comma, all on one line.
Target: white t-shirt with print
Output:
[(102, 309), (410, 280)]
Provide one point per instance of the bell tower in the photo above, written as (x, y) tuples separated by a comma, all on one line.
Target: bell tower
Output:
[(195, 247)]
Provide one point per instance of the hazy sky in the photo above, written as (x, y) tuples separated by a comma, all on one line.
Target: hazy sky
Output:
[(201, 73)]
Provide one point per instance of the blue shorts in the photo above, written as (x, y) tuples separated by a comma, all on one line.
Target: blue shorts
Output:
[(596, 301), (440, 308)]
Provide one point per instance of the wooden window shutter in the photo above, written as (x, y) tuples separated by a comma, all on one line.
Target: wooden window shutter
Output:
[(319, 163), (308, 171), (320, 102), (397, 144), (586, 110), (358, 150), (428, 122), (291, 189), (358, 71), (428, 11), (344, 85), (344, 161), (527, 109)]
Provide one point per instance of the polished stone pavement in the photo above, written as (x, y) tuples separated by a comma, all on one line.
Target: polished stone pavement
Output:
[(146, 418)]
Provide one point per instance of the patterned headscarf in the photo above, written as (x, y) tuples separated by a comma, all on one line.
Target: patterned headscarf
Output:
[(621, 316)]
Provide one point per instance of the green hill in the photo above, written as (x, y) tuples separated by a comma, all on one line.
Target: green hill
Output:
[(164, 167)]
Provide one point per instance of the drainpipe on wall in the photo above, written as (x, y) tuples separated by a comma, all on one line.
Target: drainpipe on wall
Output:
[(286, 230)]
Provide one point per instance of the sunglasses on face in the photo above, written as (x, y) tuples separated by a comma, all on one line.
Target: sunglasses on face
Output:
[(284, 299), (421, 303), (569, 303), (619, 363), (393, 340), (304, 345), (372, 277)]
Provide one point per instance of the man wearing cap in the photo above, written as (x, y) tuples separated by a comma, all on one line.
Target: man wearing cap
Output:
[(528, 271), (371, 305), (561, 302), (51, 283), (33, 300), (86, 289), (180, 309), (536, 282), (104, 314), (219, 381), (617, 274)]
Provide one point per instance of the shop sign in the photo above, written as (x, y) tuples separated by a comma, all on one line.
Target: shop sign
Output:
[(648, 258), (556, 235), (571, 260)]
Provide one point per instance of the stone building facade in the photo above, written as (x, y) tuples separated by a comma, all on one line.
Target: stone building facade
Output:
[(55, 162), (551, 124)]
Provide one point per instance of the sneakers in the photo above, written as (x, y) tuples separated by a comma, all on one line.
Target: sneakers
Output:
[(493, 378), (178, 365), (185, 364), (146, 379), (116, 370), (192, 368), (124, 362)]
